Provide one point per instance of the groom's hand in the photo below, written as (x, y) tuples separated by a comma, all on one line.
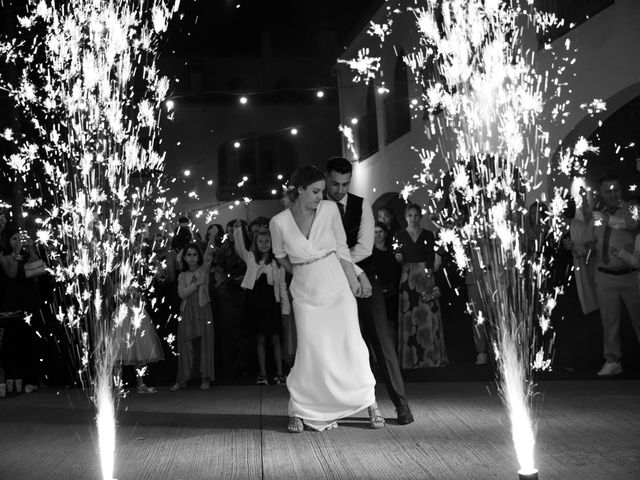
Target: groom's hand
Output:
[(365, 286)]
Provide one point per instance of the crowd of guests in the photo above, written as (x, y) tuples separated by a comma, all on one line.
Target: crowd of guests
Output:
[(219, 306)]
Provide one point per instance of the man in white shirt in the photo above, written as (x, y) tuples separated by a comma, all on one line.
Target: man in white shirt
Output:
[(613, 229)]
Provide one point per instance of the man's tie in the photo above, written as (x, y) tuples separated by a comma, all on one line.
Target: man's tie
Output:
[(341, 208), (605, 244)]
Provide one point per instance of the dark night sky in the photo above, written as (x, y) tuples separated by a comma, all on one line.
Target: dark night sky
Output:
[(233, 27)]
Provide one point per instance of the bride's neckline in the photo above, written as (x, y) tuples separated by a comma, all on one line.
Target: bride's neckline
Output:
[(313, 222)]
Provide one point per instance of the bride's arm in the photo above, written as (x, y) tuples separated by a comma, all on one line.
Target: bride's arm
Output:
[(277, 245), (285, 263), (352, 278)]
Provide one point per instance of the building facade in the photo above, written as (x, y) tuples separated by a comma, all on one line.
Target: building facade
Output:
[(389, 131)]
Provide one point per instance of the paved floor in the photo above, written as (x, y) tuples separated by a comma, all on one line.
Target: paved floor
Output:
[(585, 430)]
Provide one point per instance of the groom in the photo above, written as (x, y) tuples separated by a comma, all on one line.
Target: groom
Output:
[(357, 218)]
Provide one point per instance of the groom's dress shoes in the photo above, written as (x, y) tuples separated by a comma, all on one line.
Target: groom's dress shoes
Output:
[(404, 415)]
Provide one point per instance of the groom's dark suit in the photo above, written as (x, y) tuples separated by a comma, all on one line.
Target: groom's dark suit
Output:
[(371, 310)]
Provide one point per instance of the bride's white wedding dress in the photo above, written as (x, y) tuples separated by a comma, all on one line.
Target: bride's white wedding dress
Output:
[(331, 377)]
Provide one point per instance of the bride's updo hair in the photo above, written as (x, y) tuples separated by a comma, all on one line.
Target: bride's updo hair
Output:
[(303, 177)]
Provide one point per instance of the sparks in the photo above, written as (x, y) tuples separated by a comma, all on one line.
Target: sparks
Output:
[(78, 69)]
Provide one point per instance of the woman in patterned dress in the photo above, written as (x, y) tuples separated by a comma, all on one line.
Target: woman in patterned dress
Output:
[(420, 335)]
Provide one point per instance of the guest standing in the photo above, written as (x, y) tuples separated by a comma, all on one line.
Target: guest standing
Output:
[(231, 344), (613, 226), (20, 345), (267, 298), (388, 217), (420, 336), (170, 263), (388, 271), (140, 343), (195, 328)]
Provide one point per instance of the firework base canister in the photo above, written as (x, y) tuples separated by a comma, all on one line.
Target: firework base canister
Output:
[(528, 475)]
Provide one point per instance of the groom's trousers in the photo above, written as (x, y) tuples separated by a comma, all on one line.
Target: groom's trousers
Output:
[(375, 330)]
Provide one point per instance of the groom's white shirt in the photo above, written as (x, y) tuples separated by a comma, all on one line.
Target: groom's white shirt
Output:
[(364, 246)]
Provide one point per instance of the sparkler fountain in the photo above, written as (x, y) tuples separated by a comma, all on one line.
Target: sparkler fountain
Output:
[(483, 103), (90, 94)]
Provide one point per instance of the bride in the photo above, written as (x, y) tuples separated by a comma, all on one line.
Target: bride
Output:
[(331, 377)]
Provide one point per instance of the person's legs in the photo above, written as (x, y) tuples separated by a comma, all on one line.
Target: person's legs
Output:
[(277, 353), (631, 298), (479, 331), (140, 385), (185, 361), (609, 300), (373, 318), (260, 351), (376, 420)]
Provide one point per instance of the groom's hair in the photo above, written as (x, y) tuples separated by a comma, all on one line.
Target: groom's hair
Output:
[(338, 164)]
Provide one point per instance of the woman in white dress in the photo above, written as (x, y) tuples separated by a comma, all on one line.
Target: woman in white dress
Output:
[(331, 377)]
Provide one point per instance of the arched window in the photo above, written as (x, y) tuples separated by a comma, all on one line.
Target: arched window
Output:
[(396, 105), (261, 160), (368, 129), (237, 84)]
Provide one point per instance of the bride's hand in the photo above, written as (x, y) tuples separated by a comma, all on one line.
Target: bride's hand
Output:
[(356, 289)]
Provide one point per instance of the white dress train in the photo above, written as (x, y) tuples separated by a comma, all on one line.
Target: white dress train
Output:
[(331, 377)]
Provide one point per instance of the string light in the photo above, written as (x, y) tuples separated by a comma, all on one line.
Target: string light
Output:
[(354, 121), (319, 94), (169, 104), (187, 173), (294, 131), (243, 100), (236, 144)]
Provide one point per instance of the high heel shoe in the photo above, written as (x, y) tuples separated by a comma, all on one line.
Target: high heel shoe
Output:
[(376, 420), (295, 425)]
